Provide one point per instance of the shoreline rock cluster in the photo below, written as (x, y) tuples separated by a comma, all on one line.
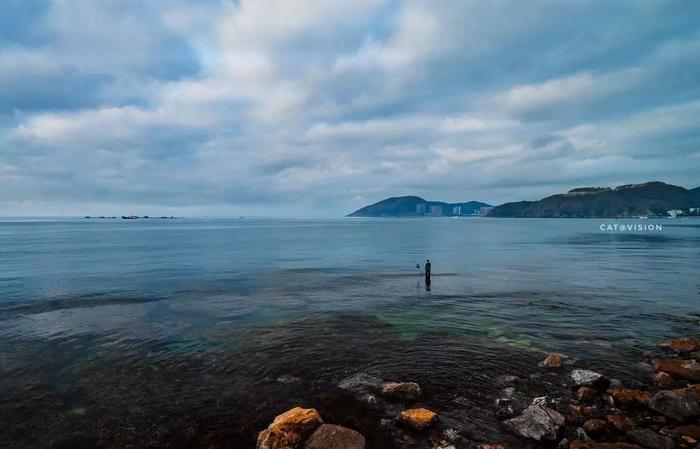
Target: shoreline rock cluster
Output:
[(603, 414), (593, 412)]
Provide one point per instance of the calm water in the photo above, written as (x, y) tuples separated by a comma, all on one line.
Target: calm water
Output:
[(195, 333)]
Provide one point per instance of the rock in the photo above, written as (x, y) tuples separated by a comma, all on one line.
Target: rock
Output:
[(650, 439), (620, 422), (361, 383), (578, 444), (563, 444), (537, 422), (553, 360), (540, 400), (685, 344), (509, 379), (290, 429), (444, 445), (676, 404), (689, 440), (663, 380), (287, 379), (505, 407), (626, 396), (490, 446), (659, 419), (594, 426), (369, 399), (689, 430), (335, 437), (407, 391), (578, 413), (586, 394), (451, 434), (586, 377), (692, 391), (681, 369), (581, 434), (418, 418)]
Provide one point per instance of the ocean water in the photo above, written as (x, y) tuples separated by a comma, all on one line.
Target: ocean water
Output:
[(196, 333)]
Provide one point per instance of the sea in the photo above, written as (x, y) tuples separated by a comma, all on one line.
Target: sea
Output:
[(189, 333)]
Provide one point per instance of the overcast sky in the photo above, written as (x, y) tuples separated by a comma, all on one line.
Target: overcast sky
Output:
[(314, 107)]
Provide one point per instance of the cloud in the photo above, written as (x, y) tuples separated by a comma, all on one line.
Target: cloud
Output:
[(298, 108)]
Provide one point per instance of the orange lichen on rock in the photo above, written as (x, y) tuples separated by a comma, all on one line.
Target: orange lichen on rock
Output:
[(418, 418), (290, 429)]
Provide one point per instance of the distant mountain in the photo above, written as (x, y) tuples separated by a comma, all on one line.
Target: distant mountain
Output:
[(651, 198), (413, 206)]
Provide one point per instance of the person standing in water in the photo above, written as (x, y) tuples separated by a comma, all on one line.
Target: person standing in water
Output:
[(427, 271)]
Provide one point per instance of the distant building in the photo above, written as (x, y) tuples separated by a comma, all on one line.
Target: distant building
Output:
[(484, 210), (694, 211), (420, 208), (674, 212), (436, 211), (457, 210)]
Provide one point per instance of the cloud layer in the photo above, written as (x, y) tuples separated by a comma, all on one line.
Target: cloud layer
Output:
[(318, 107)]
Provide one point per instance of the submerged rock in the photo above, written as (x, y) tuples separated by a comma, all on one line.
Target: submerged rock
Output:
[(329, 436), (553, 360), (418, 418), (677, 404), (626, 396), (361, 383), (290, 429), (681, 369), (407, 391), (650, 439), (537, 422), (509, 379), (506, 407), (288, 379)]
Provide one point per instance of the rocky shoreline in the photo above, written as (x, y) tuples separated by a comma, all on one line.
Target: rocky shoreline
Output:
[(586, 410)]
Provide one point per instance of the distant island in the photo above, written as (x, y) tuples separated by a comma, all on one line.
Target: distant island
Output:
[(646, 200), (414, 206), (650, 199)]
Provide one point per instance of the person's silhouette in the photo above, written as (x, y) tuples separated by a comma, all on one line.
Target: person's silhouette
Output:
[(427, 271)]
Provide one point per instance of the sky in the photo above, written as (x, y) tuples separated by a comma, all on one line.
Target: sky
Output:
[(316, 108)]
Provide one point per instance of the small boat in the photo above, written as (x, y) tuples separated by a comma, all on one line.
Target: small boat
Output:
[(130, 217)]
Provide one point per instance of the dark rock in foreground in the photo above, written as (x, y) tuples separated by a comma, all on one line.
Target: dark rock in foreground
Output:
[(650, 439), (330, 436), (579, 444), (677, 404)]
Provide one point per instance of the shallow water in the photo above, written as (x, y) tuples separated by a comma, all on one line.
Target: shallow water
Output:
[(196, 333)]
